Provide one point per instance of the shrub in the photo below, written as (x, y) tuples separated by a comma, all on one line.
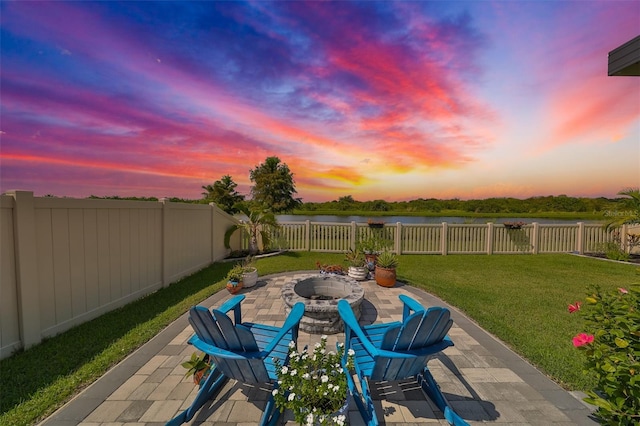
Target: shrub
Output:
[(612, 346)]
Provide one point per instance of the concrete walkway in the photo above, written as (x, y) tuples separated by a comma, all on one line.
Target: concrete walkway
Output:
[(484, 380)]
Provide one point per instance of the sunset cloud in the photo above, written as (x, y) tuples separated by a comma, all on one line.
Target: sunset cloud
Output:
[(379, 99)]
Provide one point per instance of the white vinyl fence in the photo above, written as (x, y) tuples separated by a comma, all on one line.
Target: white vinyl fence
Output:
[(447, 238), (65, 261)]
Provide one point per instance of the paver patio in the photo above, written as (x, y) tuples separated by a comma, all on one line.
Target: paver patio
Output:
[(483, 379)]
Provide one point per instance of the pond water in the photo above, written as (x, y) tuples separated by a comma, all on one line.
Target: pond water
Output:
[(419, 219)]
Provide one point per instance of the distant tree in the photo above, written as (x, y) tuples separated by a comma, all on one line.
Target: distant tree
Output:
[(223, 193), (346, 202), (377, 206), (274, 186)]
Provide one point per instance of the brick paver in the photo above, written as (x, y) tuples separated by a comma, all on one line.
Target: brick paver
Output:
[(483, 380)]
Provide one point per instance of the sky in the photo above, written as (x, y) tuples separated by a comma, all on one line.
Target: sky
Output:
[(393, 100)]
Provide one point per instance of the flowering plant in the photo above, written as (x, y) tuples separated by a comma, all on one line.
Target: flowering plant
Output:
[(612, 347), (314, 384)]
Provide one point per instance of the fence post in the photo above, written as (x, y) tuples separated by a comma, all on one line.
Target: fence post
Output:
[(307, 235), (443, 239), (490, 238), (580, 239), (398, 242), (24, 217), (535, 234)]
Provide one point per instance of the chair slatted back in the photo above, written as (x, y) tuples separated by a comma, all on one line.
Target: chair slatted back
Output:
[(418, 331), (216, 328)]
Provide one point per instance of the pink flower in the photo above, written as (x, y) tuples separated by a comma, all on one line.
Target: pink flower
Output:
[(623, 290), (582, 339), (574, 307)]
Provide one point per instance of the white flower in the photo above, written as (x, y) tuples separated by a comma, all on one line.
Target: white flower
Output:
[(340, 370), (336, 388), (340, 344), (294, 372), (294, 354), (304, 356), (340, 419), (291, 396), (351, 352), (324, 337), (274, 392), (310, 419), (292, 344), (284, 370), (306, 376), (324, 378)]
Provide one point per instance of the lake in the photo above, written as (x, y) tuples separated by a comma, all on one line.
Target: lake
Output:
[(419, 219)]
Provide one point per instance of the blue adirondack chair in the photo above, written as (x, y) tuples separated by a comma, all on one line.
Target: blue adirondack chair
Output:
[(240, 350), (398, 351)]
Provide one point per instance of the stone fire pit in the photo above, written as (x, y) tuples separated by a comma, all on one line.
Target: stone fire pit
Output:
[(320, 294)]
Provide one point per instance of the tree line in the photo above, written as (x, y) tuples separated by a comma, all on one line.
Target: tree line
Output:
[(274, 190), (550, 203)]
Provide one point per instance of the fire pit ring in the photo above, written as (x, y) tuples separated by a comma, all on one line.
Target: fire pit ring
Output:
[(320, 295)]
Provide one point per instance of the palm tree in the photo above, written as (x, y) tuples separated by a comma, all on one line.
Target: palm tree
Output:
[(259, 222), (631, 216)]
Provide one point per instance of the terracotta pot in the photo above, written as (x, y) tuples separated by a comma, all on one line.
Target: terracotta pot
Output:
[(234, 287), (385, 277)]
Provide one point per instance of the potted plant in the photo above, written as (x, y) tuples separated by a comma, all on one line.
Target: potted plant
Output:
[(314, 385), (198, 366), (514, 225), (357, 265), (386, 269), (375, 224), (371, 246), (234, 279), (249, 272)]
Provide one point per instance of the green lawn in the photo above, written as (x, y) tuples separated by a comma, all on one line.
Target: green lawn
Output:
[(522, 299)]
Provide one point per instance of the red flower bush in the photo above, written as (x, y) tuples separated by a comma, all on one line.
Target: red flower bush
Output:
[(612, 347)]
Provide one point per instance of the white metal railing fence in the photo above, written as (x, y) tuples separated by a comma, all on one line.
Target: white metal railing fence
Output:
[(447, 238)]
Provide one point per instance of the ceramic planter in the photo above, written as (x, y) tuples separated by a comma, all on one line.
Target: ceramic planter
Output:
[(358, 273), (249, 277), (234, 286)]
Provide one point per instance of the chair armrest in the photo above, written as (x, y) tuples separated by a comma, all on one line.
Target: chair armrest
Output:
[(409, 304), (351, 325), (429, 350), (233, 303), (291, 323)]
